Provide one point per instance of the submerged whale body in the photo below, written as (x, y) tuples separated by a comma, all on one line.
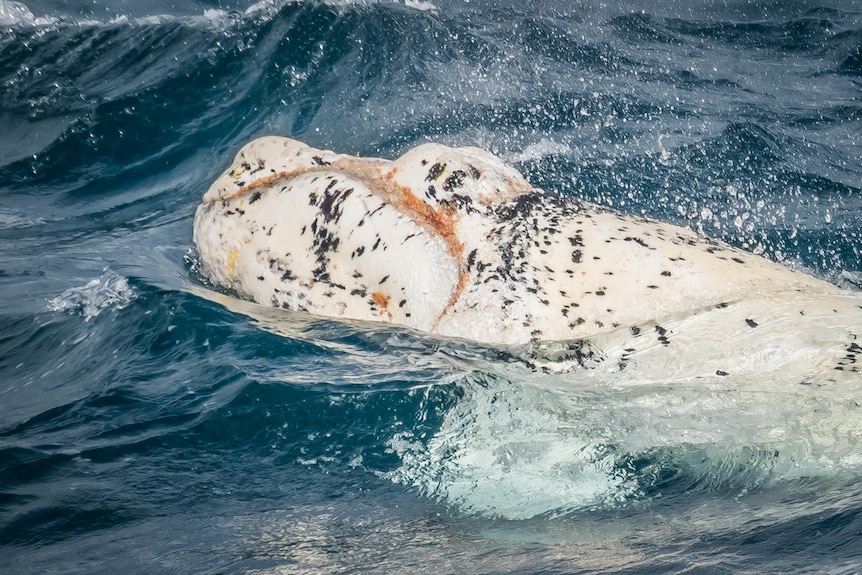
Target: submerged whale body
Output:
[(453, 242)]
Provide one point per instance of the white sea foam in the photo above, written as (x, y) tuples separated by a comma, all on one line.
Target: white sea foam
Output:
[(420, 5), (504, 451), (18, 14), (549, 445), (109, 290), (12, 13)]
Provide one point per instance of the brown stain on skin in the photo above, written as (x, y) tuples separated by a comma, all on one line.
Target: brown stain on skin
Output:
[(440, 222), (232, 262), (380, 299), (266, 181)]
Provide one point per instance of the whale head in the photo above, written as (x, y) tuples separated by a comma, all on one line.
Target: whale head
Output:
[(310, 230)]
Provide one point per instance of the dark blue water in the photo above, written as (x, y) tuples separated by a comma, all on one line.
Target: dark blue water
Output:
[(149, 425)]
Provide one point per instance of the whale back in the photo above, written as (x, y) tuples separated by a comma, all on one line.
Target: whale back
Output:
[(453, 242)]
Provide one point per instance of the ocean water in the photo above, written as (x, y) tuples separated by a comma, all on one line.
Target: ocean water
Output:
[(151, 425)]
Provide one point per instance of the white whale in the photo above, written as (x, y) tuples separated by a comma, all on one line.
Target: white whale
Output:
[(453, 242)]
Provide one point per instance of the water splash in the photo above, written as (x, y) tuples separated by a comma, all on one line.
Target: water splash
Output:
[(110, 290), (505, 451), (518, 448)]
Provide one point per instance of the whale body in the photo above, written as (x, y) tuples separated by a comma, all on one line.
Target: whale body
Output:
[(453, 242)]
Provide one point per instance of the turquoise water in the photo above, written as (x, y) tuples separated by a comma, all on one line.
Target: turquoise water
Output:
[(151, 425)]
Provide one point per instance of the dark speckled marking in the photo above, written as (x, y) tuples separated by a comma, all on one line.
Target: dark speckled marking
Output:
[(435, 171), (331, 202), (455, 180), (638, 241)]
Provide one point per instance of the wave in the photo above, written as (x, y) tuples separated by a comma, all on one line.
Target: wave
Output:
[(137, 405), (520, 448)]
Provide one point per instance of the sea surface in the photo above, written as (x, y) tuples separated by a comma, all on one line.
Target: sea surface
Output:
[(151, 425)]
